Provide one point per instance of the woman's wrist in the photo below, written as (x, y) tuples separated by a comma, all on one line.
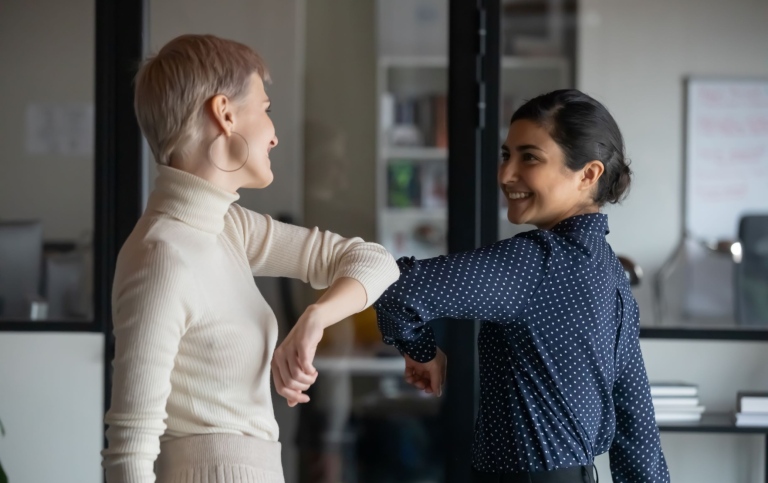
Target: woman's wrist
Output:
[(317, 316)]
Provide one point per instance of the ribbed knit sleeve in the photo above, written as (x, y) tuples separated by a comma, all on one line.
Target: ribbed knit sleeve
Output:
[(277, 249), (149, 317)]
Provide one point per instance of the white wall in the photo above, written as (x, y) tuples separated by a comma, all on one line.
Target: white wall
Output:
[(633, 57), (52, 406), (340, 94), (46, 56)]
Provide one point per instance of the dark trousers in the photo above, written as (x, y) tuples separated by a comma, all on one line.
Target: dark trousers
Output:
[(577, 474)]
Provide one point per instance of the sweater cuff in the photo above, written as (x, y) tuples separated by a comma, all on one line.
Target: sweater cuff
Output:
[(372, 266)]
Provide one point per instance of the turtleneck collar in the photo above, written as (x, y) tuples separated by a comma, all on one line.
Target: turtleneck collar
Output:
[(191, 199)]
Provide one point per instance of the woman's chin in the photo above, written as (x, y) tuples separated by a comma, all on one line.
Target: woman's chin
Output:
[(516, 218), (261, 181)]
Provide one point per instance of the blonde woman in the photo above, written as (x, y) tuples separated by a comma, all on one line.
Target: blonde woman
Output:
[(194, 337)]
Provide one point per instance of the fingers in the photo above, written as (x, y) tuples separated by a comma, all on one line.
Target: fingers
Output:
[(285, 385), (285, 373), (292, 396), (299, 376), (436, 379), (305, 357), (416, 378), (429, 377)]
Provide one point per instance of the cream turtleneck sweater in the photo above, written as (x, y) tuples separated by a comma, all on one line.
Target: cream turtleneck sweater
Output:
[(194, 337)]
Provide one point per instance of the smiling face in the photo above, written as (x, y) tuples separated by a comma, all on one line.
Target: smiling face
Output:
[(255, 125), (540, 189)]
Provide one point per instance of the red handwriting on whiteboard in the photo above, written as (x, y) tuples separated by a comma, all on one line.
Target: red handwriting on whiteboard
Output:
[(745, 95), (722, 192), (711, 96), (726, 126), (713, 155), (748, 155), (757, 125)]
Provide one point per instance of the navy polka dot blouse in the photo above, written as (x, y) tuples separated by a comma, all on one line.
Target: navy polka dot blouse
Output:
[(562, 379)]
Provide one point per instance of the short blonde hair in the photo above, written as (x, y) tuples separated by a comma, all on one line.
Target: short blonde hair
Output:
[(173, 86)]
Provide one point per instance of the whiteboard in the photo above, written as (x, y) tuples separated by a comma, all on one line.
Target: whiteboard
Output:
[(726, 165)]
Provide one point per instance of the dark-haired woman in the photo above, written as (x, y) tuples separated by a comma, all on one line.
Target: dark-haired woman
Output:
[(561, 373)]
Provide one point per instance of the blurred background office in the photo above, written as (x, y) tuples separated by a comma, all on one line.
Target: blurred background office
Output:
[(360, 99)]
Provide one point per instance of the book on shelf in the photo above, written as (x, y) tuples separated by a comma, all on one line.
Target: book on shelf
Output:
[(679, 414), (674, 402), (752, 402), (678, 417), (434, 184), (673, 389), (416, 120), (752, 419), (403, 185), (413, 184)]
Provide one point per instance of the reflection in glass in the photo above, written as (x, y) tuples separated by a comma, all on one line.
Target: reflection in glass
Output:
[(47, 141), (375, 164)]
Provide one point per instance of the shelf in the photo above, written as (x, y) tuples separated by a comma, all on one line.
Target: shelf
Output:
[(712, 423), (512, 63), (533, 7), (49, 326), (425, 213), (440, 62), (431, 213), (418, 153), (698, 333), (361, 365)]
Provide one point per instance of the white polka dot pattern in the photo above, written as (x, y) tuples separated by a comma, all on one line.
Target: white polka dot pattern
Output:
[(562, 379)]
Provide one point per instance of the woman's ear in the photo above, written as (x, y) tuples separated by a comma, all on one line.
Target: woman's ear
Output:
[(590, 174), (221, 113)]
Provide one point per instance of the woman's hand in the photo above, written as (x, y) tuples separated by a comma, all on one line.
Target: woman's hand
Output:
[(292, 367), (429, 376)]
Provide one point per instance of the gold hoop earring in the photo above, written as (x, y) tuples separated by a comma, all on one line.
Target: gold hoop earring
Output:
[(247, 154)]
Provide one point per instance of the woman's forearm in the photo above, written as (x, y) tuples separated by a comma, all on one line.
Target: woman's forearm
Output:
[(345, 297)]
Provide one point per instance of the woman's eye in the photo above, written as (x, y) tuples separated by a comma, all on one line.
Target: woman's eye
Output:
[(504, 156), (529, 157)]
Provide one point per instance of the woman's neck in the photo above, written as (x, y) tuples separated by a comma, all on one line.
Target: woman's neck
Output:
[(575, 211), (198, 165)]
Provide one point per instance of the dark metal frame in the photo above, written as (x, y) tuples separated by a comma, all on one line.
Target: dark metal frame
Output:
[(703, 334), (120, 30), (473, 153)]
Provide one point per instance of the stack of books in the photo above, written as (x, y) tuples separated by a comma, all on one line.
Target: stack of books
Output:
[(753, 409), (416, 120), (676, 402), (413, 184)]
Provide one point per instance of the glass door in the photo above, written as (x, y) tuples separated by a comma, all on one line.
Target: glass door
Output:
[(362, 96), (538, 55), (46, 186), (376, 166)]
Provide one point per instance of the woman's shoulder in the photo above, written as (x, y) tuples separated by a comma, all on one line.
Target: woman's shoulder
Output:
[(535, 239), (530, 246), (152, 242)]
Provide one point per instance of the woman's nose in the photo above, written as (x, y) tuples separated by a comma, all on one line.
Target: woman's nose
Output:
[(508, 172)]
